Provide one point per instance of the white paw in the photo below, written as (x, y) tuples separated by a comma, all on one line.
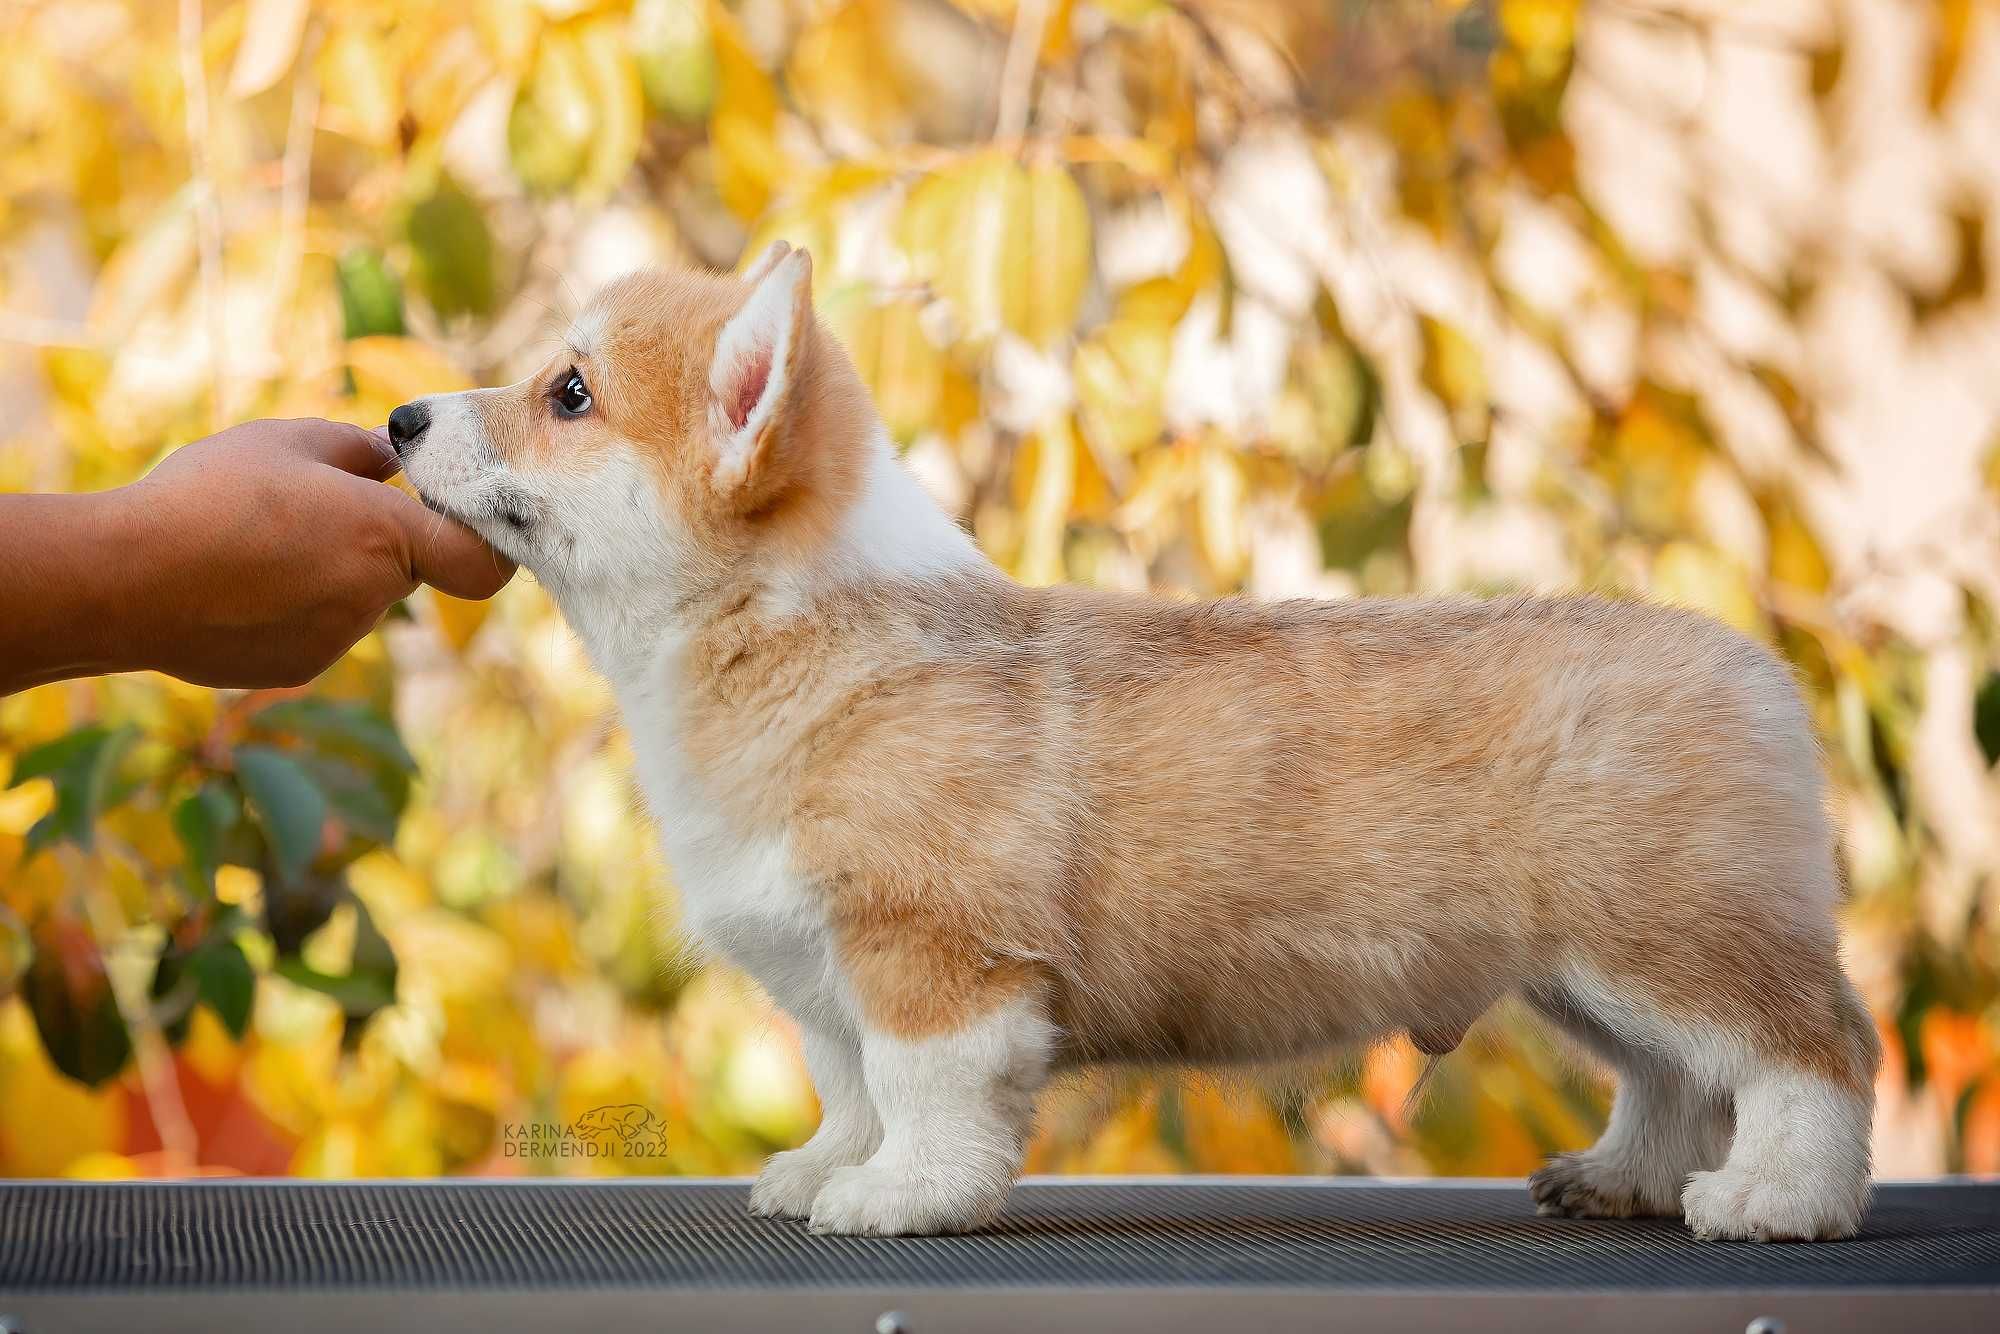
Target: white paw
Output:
[(1738, 1206), (871, 1201), (789, 1182)]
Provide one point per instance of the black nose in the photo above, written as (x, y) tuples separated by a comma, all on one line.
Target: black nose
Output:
[(406, 424)]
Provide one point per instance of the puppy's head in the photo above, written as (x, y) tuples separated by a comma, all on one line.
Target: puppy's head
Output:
[(692, 422)]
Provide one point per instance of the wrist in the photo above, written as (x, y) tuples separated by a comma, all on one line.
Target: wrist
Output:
[(116, 566), (57, 593)]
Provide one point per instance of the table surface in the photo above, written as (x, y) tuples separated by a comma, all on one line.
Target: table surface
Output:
[(1210, 1233)]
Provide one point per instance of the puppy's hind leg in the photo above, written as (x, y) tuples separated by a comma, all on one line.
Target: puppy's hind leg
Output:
[(1796, 1061), (1665, 1126), (1798, 1170)]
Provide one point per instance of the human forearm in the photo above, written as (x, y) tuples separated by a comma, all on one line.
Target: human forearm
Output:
[(65, 581), (252, 558)]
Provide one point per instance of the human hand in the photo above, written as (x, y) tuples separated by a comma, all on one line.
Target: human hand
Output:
[(258, 556)]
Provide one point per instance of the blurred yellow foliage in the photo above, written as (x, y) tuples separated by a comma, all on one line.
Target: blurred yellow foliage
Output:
[(1208, 296)]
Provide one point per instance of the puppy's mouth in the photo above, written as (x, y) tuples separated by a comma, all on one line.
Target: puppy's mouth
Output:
[(506, 510)]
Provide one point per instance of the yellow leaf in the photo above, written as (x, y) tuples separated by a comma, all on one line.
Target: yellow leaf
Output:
[(1046, 470), (238, 885), (620, 106), (842, 69), (810, 219), (895, 357), (550, 129), (1129, 11), (1127, 1144), (1121, 378), (1653, 457), (357, 78), (1008, 247), (750, 167), (676, 56), (507, 29), (209, 1050), (48, 1122), (1694, 576), (102, 1165), (1047, 255), (1455, 372), (390, 370), (950, 228), (1948, 50), (1219, 523), (458, 619), (1539, 25), (271, 33), (1796, 557), (21, 807)]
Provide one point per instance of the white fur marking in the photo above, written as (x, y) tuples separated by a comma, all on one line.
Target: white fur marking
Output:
[(1798, 1170), (586, 331), (1798, 1166), (895, 529), (848, 1133), (956, 1112)]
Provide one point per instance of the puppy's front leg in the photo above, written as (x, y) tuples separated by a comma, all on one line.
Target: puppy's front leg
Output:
[(956, 1111), (848, 1128)]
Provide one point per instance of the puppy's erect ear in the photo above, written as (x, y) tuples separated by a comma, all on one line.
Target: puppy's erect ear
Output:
[(757, 359), (773, 252)]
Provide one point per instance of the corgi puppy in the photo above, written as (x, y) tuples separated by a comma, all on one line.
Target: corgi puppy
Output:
[(970, 834)]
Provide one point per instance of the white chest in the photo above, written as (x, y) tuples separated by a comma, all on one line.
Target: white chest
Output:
[(741, 893)]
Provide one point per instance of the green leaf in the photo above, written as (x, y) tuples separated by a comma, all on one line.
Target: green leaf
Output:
[(453, 251), (371, 297), (294, 910), (359, 994), (1355, 523), (82, 765), (1986, 717), (1890, 766), (368, 805), (289, 805), (370, 981), (53, 757), (200, 821), (227, 983), (174, 993), (81, 1029), (356, 725), (371, 948)]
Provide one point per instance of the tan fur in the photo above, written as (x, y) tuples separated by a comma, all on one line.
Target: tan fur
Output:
[(1229, 831)]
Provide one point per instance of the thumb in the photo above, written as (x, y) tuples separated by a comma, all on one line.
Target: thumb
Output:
[(444, 553), (350, 448)]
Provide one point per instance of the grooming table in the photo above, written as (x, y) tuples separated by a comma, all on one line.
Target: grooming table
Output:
[(1237, 1255)]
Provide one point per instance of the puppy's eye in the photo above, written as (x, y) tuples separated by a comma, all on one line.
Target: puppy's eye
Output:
[(573, 396)]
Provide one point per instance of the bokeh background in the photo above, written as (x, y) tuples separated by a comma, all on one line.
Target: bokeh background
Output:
[(1677, 299)]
